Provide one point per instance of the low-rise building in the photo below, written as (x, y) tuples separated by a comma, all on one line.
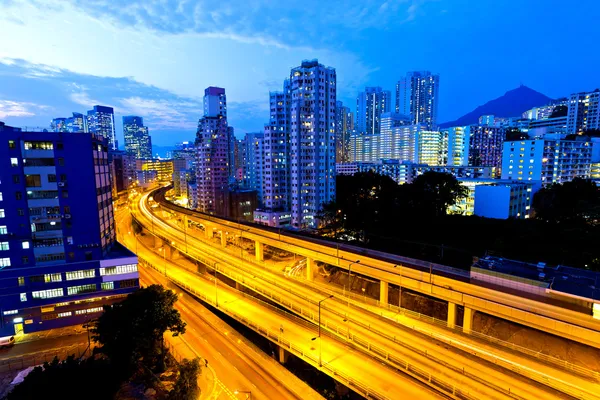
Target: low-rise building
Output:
[(277, 219)]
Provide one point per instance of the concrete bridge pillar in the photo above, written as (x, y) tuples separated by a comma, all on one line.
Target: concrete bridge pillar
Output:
[(259, 251), (209, 231), (451, 315), (310, 269), (238, 286), (468, 320), (283, 355), (383, 292), (157, 242), (223, 238)]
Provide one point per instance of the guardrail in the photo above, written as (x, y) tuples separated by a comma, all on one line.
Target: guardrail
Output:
[(18, 363), (524, 371)]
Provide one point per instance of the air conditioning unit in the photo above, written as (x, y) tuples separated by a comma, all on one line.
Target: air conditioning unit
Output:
[(61, 184), (67, 216)]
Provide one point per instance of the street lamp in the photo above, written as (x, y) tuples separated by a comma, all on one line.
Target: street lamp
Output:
[(246, 392), (349, 276), (400, 287), (319, 336)]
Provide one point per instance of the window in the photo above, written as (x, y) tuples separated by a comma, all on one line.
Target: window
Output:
[(23, 296), (50, 257), (51, 178), (121, 269), (47, 294), (56, 277), (81, 289), (64, 314), (10, 312), (127, 283), (18, 195), (4, 246), (42, 194), (25, 244), (1, 196), (14, 162), (25, 260), (38, 146), (16, 178), (65, 194), (108, 285), (4, 262), (59, 146), (81, 274), (67, 210), (89, 310), (11, 144), (21, 212), (61, 161), (2, 215)]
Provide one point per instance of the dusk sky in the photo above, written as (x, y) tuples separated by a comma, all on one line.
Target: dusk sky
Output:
[(154, 58)]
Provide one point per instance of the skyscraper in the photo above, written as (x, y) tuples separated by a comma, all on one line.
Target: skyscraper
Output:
[(75, 124), (485, 146), (252, 150), (212, 152), (370, 104), (299, 146), (59, 259), (138, 142), (344, 126), (101, 121), (417, 96)]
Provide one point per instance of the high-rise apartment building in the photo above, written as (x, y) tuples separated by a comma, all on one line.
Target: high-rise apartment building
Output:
[(584, 112), (122, 170), (548, 161), (253, 159), (370, 104), (59, 259), (137, 139), (299, 146), (213, 151), (75, 124), (101, 121), (417, 96), (344, 126), (457, 139)]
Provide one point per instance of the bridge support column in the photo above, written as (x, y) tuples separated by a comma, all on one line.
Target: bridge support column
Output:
[(468, 320), (259, 251), (223, 238), (157, 242), (383, 292), (283, 355), (310, 269), (209, 231), (238, 286), (451, 315)]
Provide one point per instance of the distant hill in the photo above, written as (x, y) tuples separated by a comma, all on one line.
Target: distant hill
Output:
[(512, 104)]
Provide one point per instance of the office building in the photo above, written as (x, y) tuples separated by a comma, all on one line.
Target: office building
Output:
[(547, 161), (59, 259), (213, 139), (75, 124), (584, 112), (417, 96), (299, 146), (238, 204), (101, 121), (163, 168), (485, 146), (137, 139), (370, 104), (344, 126), (123, 171)]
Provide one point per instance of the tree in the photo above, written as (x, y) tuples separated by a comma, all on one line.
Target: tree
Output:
[(133, 329), (186, 387), (513, 134), (578, 200), (559, 111), (433, 192)]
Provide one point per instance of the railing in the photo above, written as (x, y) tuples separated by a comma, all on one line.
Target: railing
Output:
[(18, 363), (372, 350)]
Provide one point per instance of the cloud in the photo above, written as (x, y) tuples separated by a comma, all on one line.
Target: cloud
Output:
[(10, 108), (165, 114)]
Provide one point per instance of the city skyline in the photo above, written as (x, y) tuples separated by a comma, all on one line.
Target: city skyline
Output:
[(37, 86)]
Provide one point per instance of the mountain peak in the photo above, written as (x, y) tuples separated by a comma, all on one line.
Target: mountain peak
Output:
[(512, 104)]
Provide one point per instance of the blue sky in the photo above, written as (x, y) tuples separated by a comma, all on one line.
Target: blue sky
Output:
[(154, 58)]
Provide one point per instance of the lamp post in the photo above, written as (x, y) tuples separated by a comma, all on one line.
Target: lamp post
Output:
[(399, 287), (350, 275), (246, 392), (319, 336), (216, 295)]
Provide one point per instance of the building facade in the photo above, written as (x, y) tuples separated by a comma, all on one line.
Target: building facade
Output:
[(137, 139), (59, 260), (75, 124), (253, 163), (344, 126), (163, 168), (101, 121), (417, 96), (584, 112), (370, 104), (547, 161), (485, 146), (213, 151)]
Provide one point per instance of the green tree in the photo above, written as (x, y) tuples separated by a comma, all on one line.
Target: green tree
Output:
[(578, 200), (433, 192), (186, 387), (132, 330)]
